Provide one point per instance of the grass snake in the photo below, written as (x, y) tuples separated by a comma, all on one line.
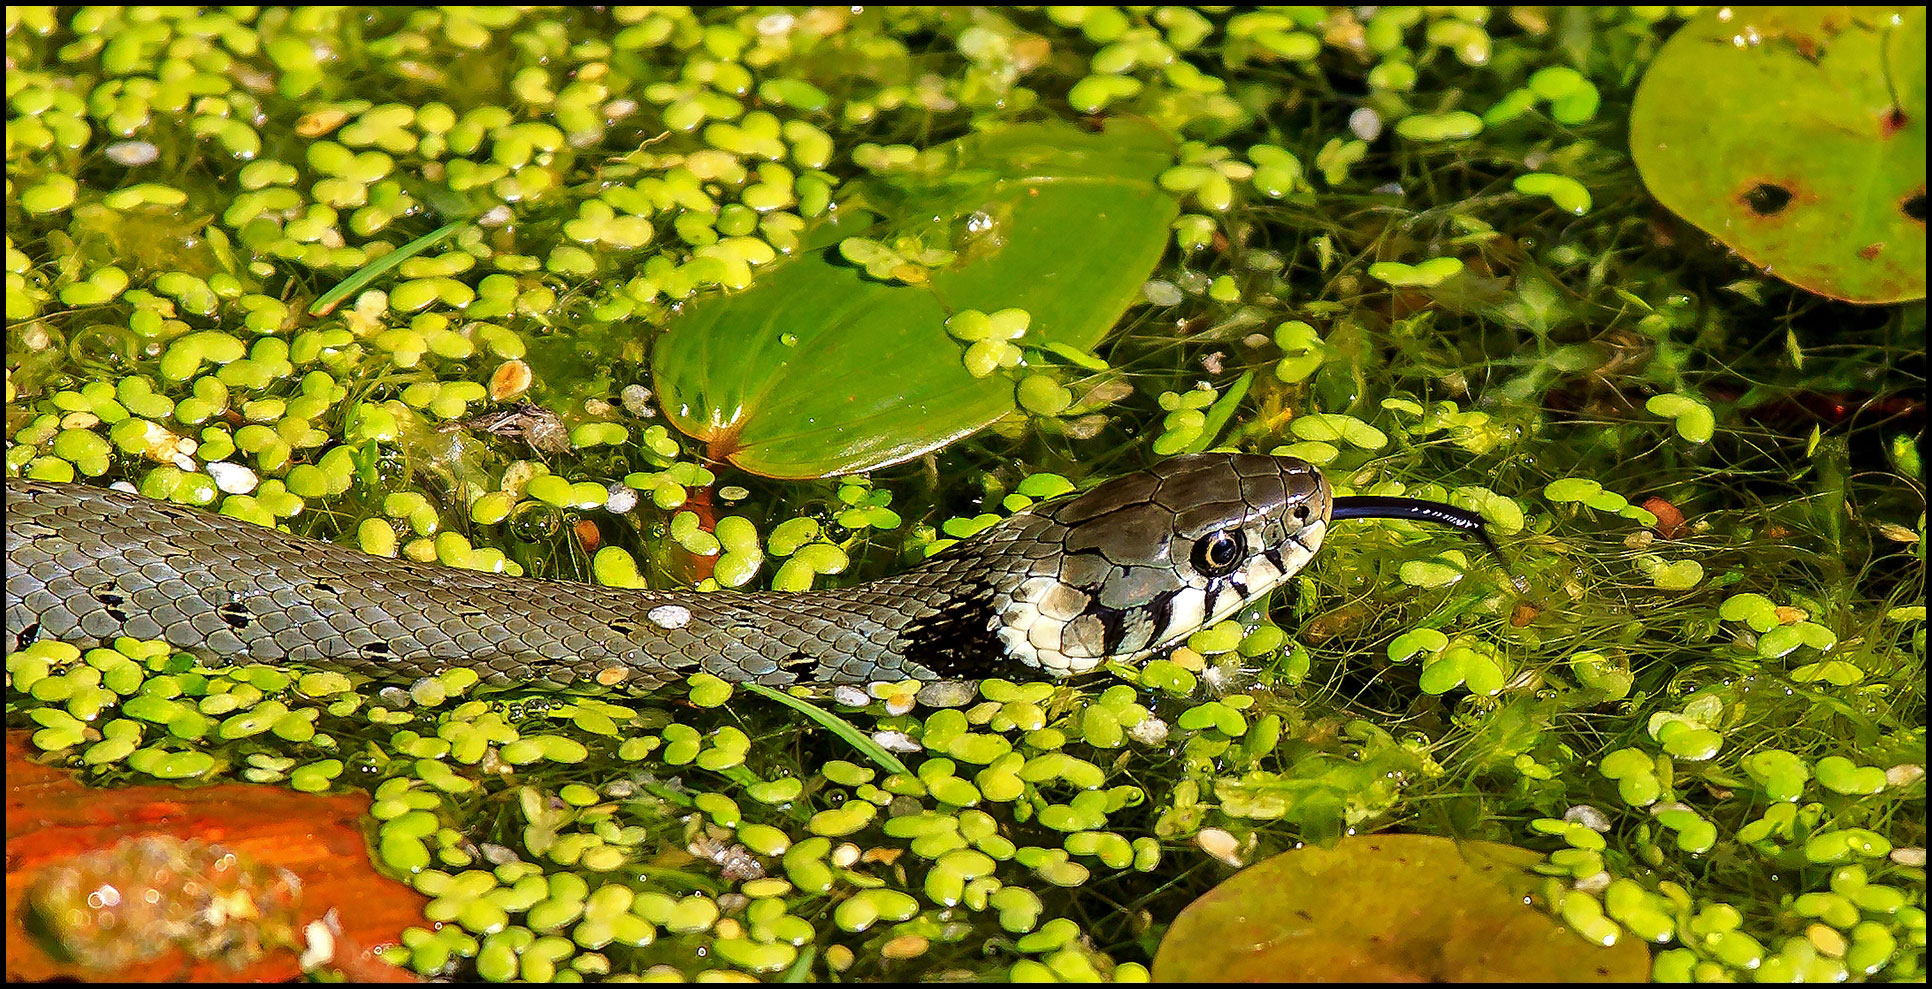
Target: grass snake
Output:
[(1059, 588)]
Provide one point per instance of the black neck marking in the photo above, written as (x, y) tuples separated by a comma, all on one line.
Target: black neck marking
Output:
[(959, 639)]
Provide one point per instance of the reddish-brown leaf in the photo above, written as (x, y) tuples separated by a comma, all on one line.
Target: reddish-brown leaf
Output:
[(52, 821)]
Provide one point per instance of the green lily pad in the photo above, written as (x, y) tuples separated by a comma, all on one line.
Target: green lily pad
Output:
[(1775, 130), (821, 369), (1390, 908)]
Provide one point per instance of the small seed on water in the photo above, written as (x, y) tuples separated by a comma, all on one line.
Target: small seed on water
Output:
[(510, 380)]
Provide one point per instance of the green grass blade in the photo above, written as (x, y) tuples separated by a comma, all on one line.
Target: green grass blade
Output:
[(379, 267), (835, 725), (1219, 414)]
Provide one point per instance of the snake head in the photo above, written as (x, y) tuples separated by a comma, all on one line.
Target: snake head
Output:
[(1146, 559)]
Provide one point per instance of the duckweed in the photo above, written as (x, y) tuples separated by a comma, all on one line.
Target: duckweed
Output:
[(1455, 125), (1693, 419), (1424, 274), (1568, 194), (171, 765)]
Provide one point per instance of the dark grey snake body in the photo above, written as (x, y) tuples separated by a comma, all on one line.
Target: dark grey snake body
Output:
[(1060, 588)]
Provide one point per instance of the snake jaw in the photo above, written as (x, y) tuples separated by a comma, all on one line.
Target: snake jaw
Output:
[(1054, 627), (1213, 601)]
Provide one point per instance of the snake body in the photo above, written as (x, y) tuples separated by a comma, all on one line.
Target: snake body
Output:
[(1060, 588)]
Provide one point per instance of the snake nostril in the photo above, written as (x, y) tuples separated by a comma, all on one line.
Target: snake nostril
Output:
[(1301, 512)]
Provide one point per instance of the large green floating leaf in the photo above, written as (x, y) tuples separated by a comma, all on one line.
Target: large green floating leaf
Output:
[(1386, 908), (818, 369), (1796, 135)]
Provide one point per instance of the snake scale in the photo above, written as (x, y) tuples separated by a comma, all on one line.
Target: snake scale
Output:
[(1059, 588)]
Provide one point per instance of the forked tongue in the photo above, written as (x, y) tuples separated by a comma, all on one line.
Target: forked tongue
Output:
[(1416, 510)]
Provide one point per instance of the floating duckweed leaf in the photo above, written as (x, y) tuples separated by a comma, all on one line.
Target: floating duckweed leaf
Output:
[(1434, 271), (1679, 576), (1428, 573), (1503, 515), (819, 369), (1386, 908), (1694, 834), (1643, 516), (1571, 489), (1476, 670), (1409, 643), (1754, 610), (1302, 351), (1452, 126), (1327, 427), (1041, 395), (1782, 774), (1315, 452), (1636, 776), (1837, 773), (1626, 762), (1836, 672), (1688, 741), (1694, 419), (1775, 130), (1598, 673), (1567, 193), (1780, 641), (905, 260)]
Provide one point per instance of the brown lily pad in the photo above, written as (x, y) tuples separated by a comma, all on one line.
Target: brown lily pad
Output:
[(1796, 135), (1386, 908), (269, 860)]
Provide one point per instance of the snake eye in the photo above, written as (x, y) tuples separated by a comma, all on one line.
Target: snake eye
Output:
[(1217, 554)]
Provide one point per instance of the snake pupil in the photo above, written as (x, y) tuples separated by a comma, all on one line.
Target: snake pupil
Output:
[(1217, 554)]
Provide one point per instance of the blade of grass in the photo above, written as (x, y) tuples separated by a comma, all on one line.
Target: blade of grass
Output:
[(1219, 414), (801, 970), (379, 267), (836, 725)]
